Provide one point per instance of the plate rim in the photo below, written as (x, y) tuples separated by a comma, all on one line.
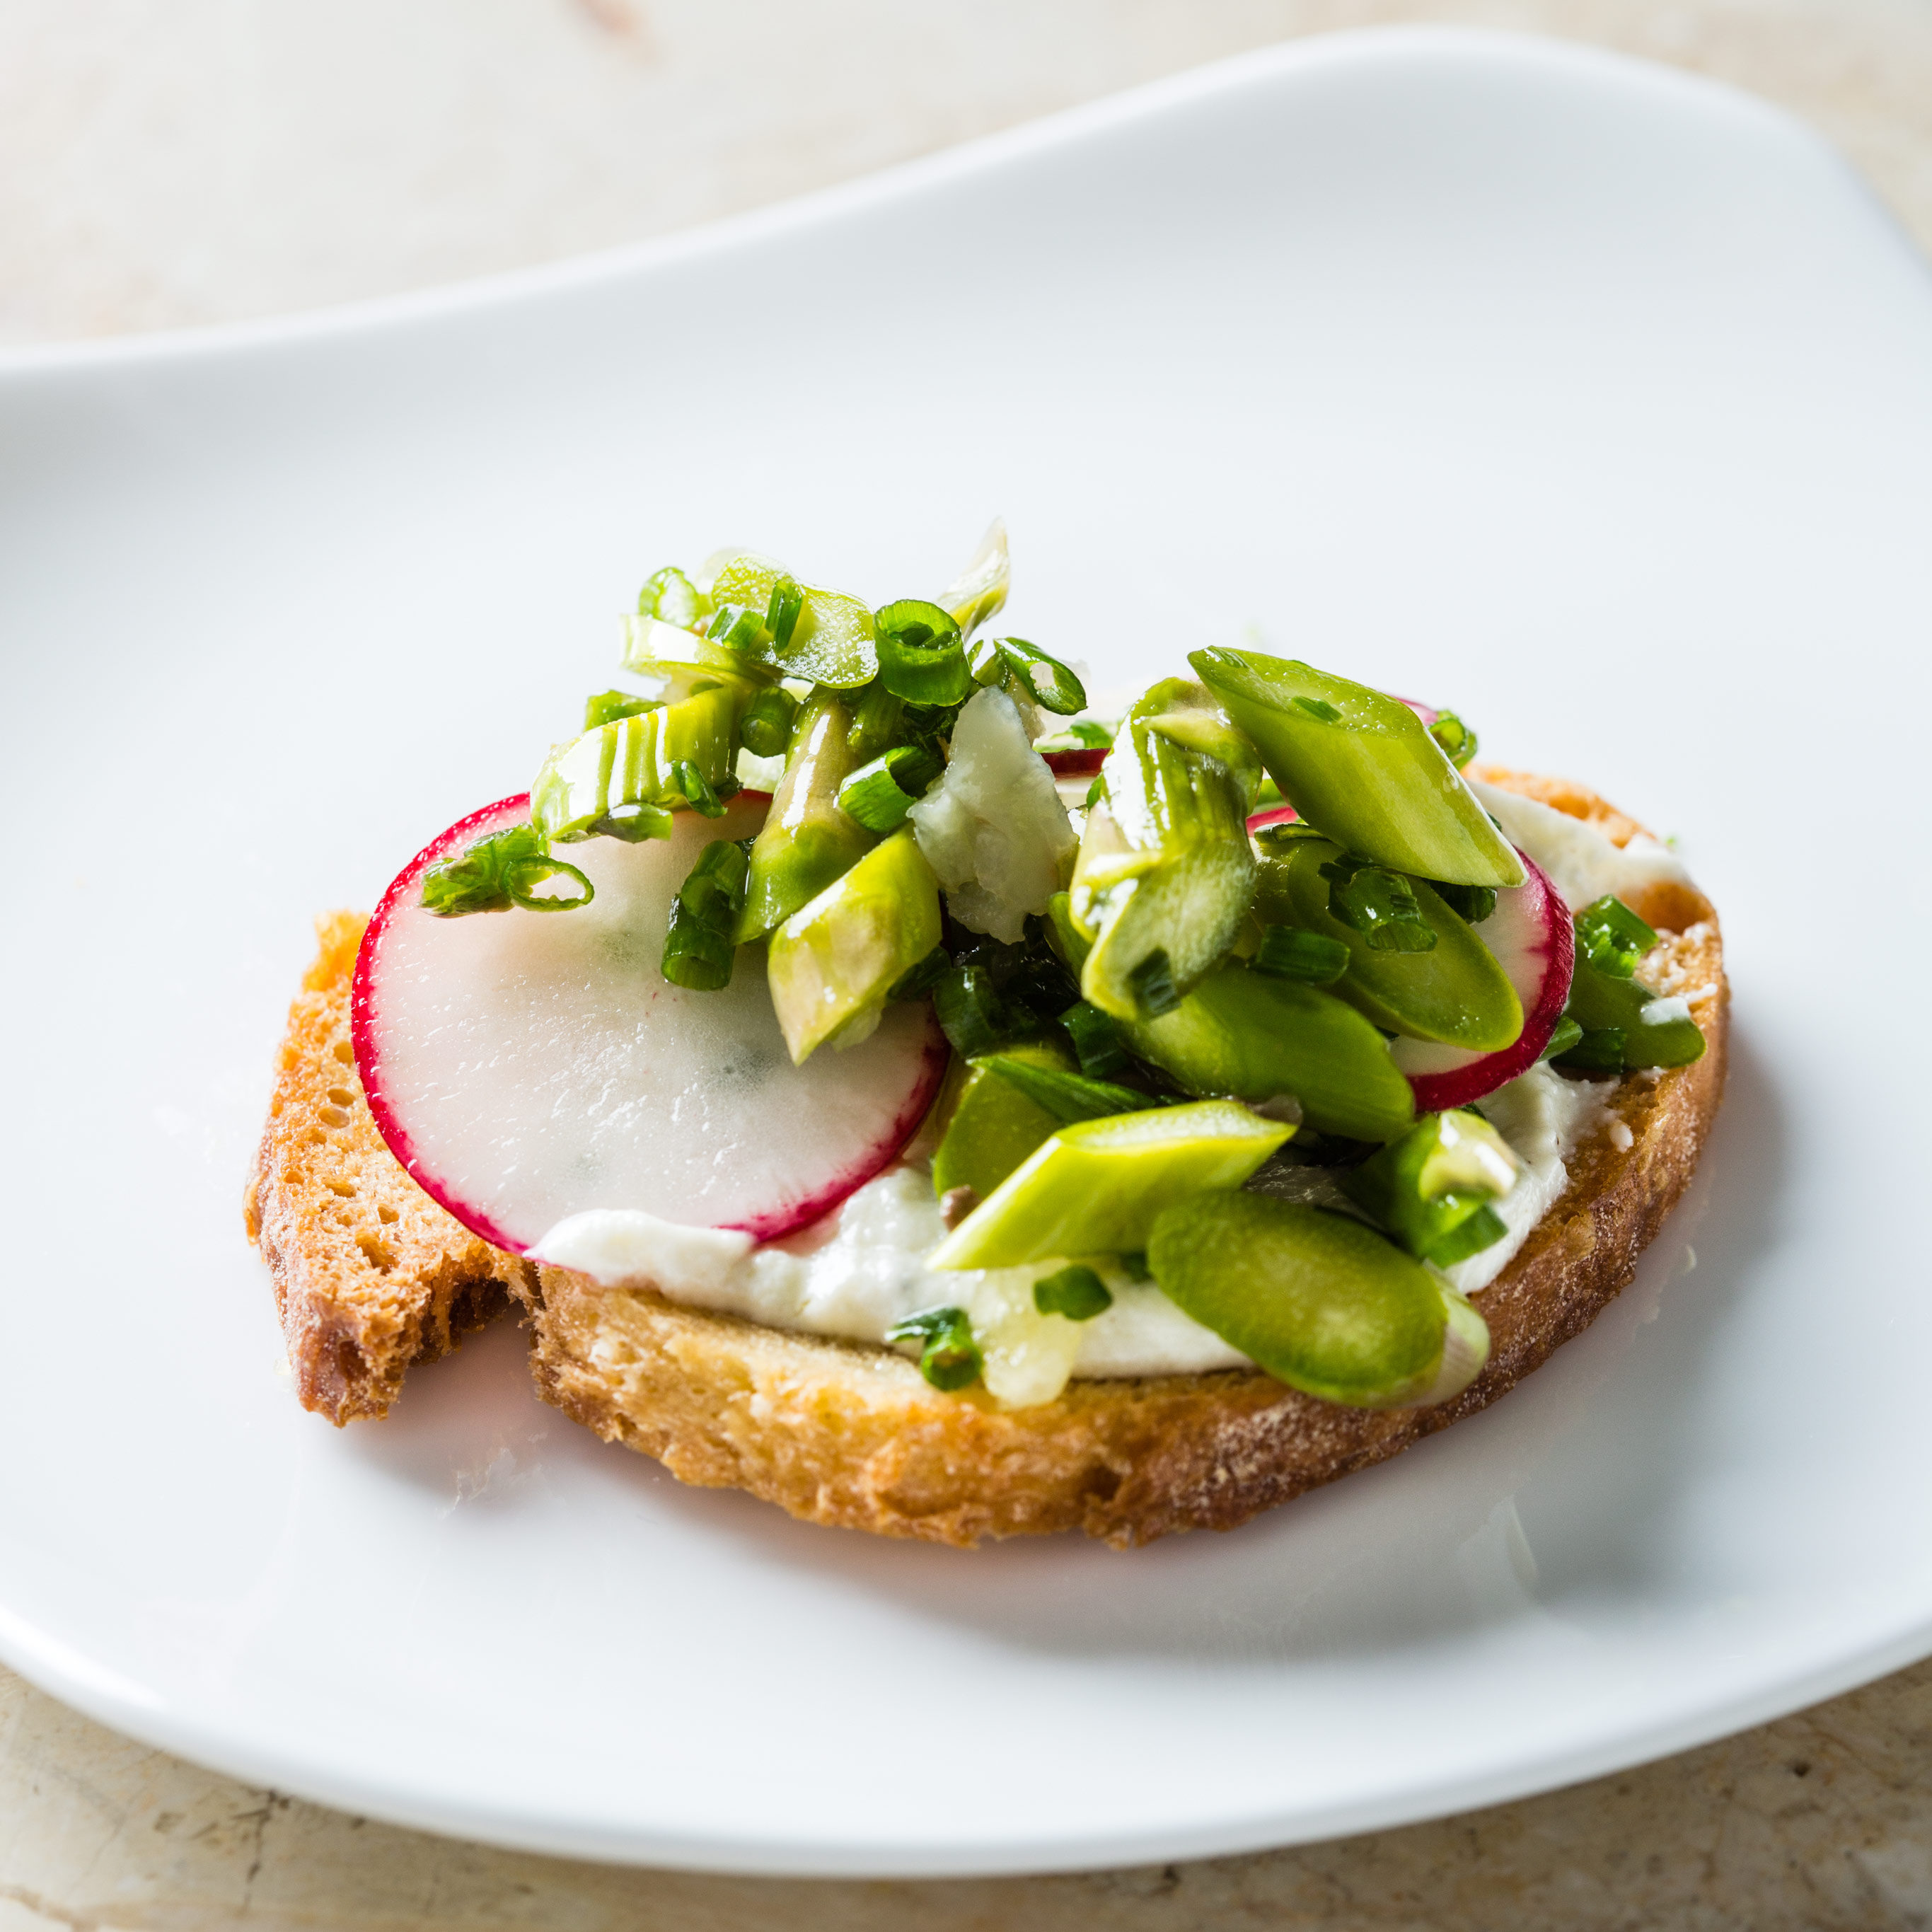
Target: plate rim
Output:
[(64, 1671)]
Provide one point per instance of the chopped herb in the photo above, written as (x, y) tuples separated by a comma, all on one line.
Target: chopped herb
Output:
[(1379, 903), (1096, 1039), (878, 721), (1078, 734), (1075, 1292), (765, 728), (950, 1358), (1097, 790), (1457, 740), (922, 653), (1611, 939), (501, 870), (738, 629), (879, 795), (671, 596), (698, 951), (1475, 903), (1291, 953), (1152, 985)]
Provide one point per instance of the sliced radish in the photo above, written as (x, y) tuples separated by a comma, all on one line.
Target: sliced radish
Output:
[(1274, 814), (527, 1066), (1531, 933), (1082, 763)]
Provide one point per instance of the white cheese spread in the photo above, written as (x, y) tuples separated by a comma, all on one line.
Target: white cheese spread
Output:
[(860, 1271)]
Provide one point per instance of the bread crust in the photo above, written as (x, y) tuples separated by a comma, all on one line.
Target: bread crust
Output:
[(370, 1274), (850, 1434)]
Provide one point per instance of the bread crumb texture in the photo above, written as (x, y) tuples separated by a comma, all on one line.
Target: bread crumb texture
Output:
[(371, 1275)]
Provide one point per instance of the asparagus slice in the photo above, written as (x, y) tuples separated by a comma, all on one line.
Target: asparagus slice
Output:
[(625, 779), (1360, 767), (1165, 872), (806, 842), (833, 962), (1095, 1187)]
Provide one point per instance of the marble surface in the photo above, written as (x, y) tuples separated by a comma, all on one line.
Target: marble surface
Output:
[(165, 163)]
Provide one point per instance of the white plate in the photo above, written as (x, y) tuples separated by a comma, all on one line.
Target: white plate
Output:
[(1593, 399)]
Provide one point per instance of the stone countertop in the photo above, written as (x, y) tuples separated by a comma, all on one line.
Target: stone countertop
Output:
[(165, 163)]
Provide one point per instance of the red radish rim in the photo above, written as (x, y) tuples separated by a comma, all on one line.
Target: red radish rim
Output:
[(1084, 763), (1484, 1073), (368, 1060), (1274, 814), (794, 1221)]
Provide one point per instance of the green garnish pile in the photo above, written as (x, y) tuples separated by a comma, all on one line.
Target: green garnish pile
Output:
[(1190, 999)]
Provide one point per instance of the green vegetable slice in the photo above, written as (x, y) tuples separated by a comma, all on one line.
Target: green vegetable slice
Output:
[(879, 795), (623, 778), (1096, 1186), (1075, 1292), (833, 964), (1370, 777), (806, 842), (1165, 871), (1456, 992), (949, 1358), (501, 870), (991, 1125), (1320, 1302), (1431, 1188), (1252, 1034)]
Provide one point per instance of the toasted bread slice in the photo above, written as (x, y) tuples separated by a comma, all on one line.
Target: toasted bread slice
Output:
[(371, 1274), (851, 1434)]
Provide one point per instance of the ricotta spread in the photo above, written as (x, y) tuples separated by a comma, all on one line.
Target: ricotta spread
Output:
[(858, 1272)]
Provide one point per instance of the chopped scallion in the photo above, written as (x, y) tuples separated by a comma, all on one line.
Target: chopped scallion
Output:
[(738, 629), (878, 722), (916, 983), (1457, 740), (1048, 681), (949, 1358), (782, 615), (704, 796), (1611, 938), (1474, 903), (499, 870), (970, 1011), (879, 795), (672, 596), (1381, 903), (1291, 953), (1096, 1040), (765, 730), (1152, 985), (922, 653), (1075, 1292), (698, 952)]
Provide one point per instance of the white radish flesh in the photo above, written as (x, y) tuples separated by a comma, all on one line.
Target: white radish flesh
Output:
[(528, 1066)]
